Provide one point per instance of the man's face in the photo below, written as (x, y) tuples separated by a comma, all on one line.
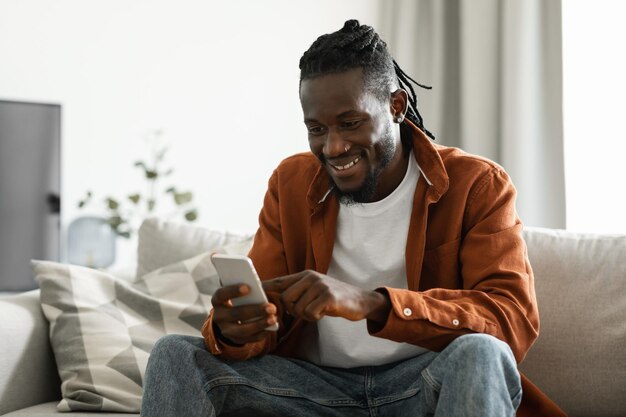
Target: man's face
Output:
[(352, 133)]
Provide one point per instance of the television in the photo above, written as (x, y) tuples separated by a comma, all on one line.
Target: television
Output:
[(30, 144)]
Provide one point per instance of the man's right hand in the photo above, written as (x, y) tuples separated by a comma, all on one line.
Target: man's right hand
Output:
[(243, 324)]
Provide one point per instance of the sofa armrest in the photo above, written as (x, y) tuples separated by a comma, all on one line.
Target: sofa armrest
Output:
[(579, 358), (28, 373)]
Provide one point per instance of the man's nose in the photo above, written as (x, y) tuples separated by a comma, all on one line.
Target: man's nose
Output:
[(335, 145)]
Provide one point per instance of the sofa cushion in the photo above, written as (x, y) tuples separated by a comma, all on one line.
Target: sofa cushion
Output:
[(25, 352), (162, 242), (580, 356), (102, 329), (50, 410)]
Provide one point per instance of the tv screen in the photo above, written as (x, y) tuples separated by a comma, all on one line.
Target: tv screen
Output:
[(30, 142)]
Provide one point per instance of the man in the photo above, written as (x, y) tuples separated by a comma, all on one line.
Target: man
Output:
[(395, 269)]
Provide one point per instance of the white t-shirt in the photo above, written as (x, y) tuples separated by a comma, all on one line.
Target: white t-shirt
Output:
[(369, 252)]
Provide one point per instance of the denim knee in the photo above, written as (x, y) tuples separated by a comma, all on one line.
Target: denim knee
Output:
[(476, 374), (487, 353), (173, 343), (174, 384), (165, 345), (173, 355), (483, 346), (175, 351)]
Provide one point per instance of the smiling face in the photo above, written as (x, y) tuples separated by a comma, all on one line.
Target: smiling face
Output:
[(353, 134)]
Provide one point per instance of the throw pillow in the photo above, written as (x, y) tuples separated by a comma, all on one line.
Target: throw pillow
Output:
[(102, 328), (162, 242)]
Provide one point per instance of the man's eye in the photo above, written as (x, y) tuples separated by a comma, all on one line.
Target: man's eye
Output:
[(315, 130), (350, 124)]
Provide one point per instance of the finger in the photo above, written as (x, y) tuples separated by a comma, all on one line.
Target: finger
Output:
[(246, 332), (225, 314), (291, 295), (311, 294), (224, 294), (315, 310), (282, 283)]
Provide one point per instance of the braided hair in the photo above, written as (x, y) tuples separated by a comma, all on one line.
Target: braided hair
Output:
[(359, 46)]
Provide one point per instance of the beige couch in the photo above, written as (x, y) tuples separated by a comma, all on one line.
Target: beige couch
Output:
[(579, 359)]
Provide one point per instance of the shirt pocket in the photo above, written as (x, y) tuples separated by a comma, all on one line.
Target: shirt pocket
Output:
[(441, 267)]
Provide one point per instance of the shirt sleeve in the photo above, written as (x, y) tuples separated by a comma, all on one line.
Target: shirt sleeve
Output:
[(497, 295)]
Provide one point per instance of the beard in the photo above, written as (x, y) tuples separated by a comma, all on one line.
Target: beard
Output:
[(386, 149)]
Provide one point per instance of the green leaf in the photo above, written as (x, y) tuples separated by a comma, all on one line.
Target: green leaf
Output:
[(124, 234), (151, 174), (115, 222), (182, 198), (82, 203), (171, 190), (191, 215), (134, 198), (151, 204), (140, 164), (112, 203)]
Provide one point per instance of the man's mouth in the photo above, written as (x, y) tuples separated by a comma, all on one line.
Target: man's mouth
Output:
[(343, 167)]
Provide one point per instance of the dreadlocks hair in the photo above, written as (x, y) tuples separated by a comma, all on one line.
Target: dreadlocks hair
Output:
[(359, 46)]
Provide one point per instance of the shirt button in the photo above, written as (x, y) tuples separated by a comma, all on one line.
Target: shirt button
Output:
[(455, 322), (407, 311)]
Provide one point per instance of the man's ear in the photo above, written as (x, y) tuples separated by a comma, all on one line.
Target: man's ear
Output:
[(399, 102)]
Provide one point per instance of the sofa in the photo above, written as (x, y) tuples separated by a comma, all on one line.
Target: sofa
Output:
[(579, 360)]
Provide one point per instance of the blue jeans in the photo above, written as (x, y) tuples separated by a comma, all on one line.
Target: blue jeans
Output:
[(476, 375)]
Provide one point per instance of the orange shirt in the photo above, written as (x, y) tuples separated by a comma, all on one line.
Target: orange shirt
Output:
[(466, 260)]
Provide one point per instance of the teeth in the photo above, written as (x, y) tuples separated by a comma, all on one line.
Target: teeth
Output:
[(351, 164)]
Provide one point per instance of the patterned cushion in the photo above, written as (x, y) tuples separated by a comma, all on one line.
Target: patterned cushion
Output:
[(102, 328), (162, 242)]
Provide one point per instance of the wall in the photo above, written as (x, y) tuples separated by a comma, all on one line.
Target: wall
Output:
[(594, 88), (220, 79)]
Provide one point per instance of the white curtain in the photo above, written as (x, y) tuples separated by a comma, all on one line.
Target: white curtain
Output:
[(495, 67)]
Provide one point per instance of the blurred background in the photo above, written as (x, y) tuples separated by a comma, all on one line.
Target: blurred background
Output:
[(203, 96)]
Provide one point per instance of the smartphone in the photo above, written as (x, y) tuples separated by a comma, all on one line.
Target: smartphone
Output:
[(238, 269)]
